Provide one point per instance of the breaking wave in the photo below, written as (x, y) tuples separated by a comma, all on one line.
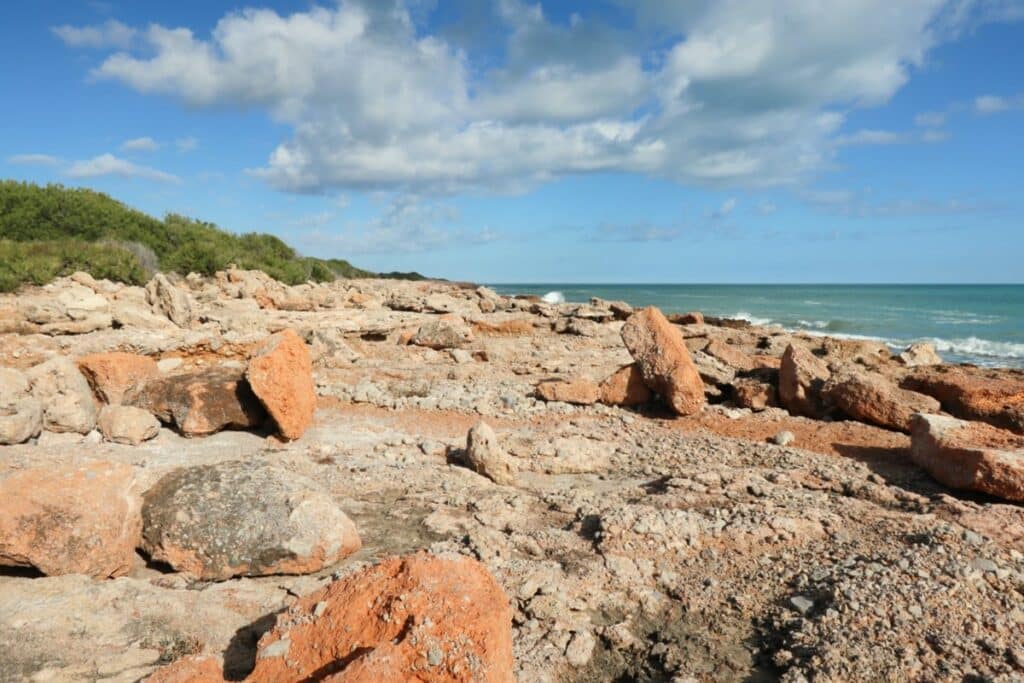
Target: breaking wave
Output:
[(973, 346), (553, 298), (753, 320)]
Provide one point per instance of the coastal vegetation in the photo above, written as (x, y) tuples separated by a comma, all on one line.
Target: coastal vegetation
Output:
[(50, 231)]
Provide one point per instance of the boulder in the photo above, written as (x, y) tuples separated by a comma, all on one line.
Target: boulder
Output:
[(446, 333), (70, 519), (989, 395), (68, 402), (659, 351), (876, 400), (748, 392), (127, 425), (419, 617), (579, 391), (202, 401), (173, 302), (802, 377), (624, 387), (485, 456), (64, 307), (111, 375), (969, 455), (281, 375), (21, 415), (919, 354), (243, 519)]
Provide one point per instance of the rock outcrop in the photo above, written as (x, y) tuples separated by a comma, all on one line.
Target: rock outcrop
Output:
[(64, 307), (281, 375), (969, 455), (201, 402), (659, 351), (242, 519), (21, 414), (484, 455), (68, 402), (919, 354), (70, 519), (446, 333), (802, 377), (172, 301), (992, 396), (421, 617), (875, 400)]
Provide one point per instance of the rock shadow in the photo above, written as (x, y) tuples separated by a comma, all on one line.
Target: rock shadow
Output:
[(240, 655)]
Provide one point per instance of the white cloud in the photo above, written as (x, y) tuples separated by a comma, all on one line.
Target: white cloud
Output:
[(752, 93), (930, 119), (111, 33), (109, 165), (994, 104), (873, 137), (144, 144), (186, 144), (34, 160)]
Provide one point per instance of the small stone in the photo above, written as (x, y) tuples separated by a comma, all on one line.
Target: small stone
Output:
[(783, 438), (485, 456), (801, 604), (580, 649)]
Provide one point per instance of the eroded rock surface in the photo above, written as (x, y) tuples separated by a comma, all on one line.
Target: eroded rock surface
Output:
[(660, 353), (281, 375)]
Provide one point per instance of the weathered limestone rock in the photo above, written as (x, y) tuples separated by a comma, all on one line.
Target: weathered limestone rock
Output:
[(111, 375), (21, 415), (712, 370), (70, 519), (201, 402), (992, 396), (875, 400), (580, 391), (127, 425), (446, 333), (969, 455), (659, 351), (68, 403), (172, 301), (802, 377), (64, 307), (919, 354), (281, 375), (485, 456), (242, 519), (624, 387), (420, 617)]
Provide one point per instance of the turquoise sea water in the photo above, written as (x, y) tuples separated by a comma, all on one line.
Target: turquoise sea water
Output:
[(981, 324)]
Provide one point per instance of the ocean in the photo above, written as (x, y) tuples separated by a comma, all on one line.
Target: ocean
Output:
[(980, 324)]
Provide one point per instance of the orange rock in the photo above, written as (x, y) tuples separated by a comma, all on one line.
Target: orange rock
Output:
[(876, 400), (802, 377), (71, 519), (580, 391), (625, 387), (281, 376), (989, 395), (193, 669), (969, 455), (754, 394), (659, 351), (413, 618), (112, 375), (730, 355), (512, 328)]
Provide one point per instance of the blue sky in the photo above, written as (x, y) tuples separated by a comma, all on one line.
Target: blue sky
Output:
[(643, 141)]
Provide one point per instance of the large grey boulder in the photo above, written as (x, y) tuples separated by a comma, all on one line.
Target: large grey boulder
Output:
[(69, 405), (21, 415), (242, 519)]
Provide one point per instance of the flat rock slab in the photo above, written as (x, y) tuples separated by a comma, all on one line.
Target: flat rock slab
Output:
[(990, 395), (876, 400), (242, 519), (969, 455), (71, 519), (281, 375)]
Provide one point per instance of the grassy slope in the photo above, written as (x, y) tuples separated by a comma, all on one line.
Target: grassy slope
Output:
[(46, 232)]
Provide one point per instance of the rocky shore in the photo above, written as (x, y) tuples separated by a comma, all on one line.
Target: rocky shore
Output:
[(210, 479)]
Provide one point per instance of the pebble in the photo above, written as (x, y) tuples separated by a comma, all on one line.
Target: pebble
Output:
[(783, 438), (801, 604)]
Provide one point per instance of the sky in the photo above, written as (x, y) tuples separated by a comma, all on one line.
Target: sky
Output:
[(713, 141)]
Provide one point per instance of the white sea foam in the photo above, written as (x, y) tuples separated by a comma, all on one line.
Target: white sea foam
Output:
[(978, 347), (753, 320), (813, 324), (553, 298)]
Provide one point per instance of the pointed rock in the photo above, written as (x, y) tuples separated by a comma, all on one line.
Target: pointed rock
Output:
[(658, 348), (281, 375)]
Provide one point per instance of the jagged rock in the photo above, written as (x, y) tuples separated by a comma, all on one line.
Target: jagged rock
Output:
[(446, 333), (70, 519), (127, 424), (281, 375), (754, 394), (580, 391), (624, 387), (442, 619), (875, 400), (659, 351), (129, 308), (64, 307), (68, 402), (243, 519), (328, 347), (802, 377), (485, 456), (969, 455), (113, 374), (992, 396), (173, 302), (919, 354), (21, 415), (712, 370), (201, 402)]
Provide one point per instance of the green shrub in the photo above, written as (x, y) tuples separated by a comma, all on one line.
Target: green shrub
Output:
[(40, 262)]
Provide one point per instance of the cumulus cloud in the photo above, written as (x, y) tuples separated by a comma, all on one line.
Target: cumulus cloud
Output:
[(111, 33), (109, 165), (725, 93), (144, 144)]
